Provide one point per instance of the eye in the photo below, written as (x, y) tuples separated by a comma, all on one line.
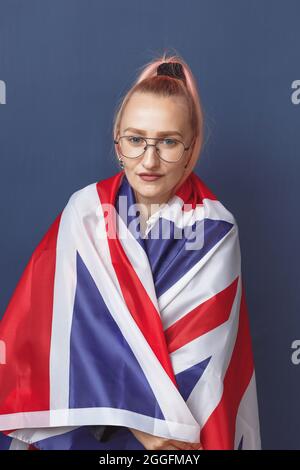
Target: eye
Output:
[(169, 142), (134, 139)]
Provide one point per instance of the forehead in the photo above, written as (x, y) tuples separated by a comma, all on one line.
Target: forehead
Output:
[(155, 114)]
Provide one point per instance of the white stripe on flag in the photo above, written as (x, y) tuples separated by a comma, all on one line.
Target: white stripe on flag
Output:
[(247, 421)]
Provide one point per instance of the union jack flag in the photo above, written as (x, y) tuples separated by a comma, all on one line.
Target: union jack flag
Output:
[(107, 327)]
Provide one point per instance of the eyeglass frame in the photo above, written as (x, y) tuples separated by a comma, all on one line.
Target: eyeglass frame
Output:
[(153, 145)]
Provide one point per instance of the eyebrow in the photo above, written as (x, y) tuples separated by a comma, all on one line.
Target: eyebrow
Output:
[(160, 134)]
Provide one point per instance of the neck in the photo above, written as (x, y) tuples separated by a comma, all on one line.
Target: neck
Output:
[(150, 206)]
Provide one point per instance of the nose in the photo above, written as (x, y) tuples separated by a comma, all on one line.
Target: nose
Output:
[(150, 157)]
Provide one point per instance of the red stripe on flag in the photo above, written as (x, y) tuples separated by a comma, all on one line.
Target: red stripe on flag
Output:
[(203, 318), (193, 191), (26, 331), (219, 431), (32, 447)]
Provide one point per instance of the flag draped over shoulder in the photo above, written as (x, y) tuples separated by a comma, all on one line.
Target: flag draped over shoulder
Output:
[(109, 328)]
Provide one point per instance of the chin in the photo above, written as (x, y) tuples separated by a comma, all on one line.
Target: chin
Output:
[(148, 192)]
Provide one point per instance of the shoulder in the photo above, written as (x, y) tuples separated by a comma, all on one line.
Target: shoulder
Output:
[(214, 206), (84, 199), (217, 210), (87, 198)]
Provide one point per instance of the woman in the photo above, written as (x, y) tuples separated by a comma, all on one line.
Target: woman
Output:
[(129, 327)]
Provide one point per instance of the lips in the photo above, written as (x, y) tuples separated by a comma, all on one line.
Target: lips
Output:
[(149, 176)]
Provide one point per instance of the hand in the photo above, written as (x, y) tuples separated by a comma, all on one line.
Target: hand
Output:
[(151, 442)]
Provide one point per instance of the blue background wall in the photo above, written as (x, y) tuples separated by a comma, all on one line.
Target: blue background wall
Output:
[(66, 63)]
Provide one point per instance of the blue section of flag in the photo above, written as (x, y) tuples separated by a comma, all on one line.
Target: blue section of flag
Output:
[(169, 258), (240, 446), (104, 372), (5, 441), (187, 379)]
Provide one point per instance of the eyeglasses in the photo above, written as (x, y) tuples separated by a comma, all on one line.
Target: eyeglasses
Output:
[(169, 150)]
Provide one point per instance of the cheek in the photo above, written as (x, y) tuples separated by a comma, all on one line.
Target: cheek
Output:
[(131, 166), (176, 173)]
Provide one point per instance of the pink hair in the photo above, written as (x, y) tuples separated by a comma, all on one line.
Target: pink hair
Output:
[(148, 82)]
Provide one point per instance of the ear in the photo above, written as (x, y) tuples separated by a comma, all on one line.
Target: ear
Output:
[(117, 145)]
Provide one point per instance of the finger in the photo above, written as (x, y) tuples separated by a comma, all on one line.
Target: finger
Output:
[(177, 444), (186, 445), (196, 445), (170, 447)]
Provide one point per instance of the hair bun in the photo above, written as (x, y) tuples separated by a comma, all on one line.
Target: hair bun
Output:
[(172, 69)]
